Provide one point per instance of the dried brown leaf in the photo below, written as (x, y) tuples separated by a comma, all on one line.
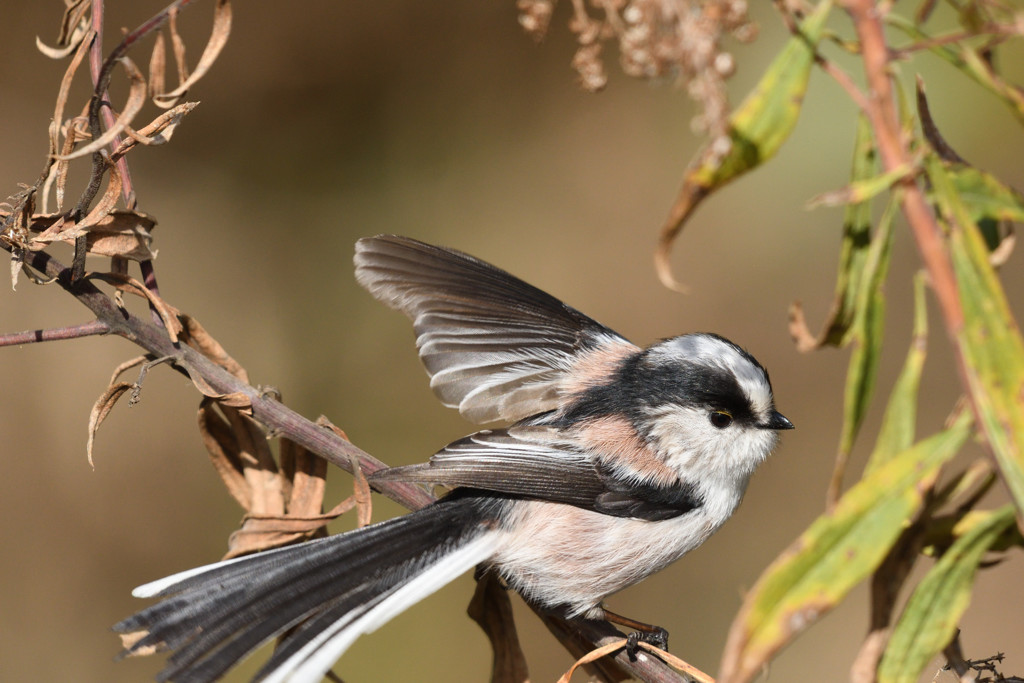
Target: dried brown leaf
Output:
[(361, 494), (136, 98), (306, 481), (236, 399), (361, 487), (157, 66), (127, 365), (675, 662), (198, 338), (168, 314), (104, 404), (119, 233), (592, 656), (72, 135), (222, 447), (74, 26), (65, 88), (218, 37), (258, 466), (157, 132), (179, 47), (125, 235), (73, 17), (492, 610)]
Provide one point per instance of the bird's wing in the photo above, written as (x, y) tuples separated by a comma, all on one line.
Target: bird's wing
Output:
[(495, 347), (533, 462)]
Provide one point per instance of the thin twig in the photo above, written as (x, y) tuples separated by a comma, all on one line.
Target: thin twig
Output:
[(88, 329)]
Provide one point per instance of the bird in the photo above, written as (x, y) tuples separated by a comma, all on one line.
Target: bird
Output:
[(615, 461)]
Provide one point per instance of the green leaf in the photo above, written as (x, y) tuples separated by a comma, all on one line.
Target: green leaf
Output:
[(929, 621), (866, 333), (899, 421), (840, 549), (757, 129), (988, 201), (989, 341), (862, 190)]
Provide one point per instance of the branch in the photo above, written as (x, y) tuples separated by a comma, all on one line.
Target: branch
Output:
[(71, 332)]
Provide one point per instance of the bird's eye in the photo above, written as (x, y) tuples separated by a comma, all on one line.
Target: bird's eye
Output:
[(721, 419)]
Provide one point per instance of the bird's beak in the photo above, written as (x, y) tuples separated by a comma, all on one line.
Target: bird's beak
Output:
[(777, 421)]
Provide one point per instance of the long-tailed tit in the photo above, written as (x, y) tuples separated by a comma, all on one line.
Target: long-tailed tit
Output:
[(618, 461)]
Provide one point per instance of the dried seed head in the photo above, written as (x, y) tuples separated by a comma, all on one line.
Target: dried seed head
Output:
[(657, 39)]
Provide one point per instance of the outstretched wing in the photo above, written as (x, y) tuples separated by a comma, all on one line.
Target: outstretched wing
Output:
[(534, 462), (495, 347)]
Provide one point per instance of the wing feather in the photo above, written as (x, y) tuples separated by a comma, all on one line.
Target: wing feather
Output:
[(534, 462), (495, 347)]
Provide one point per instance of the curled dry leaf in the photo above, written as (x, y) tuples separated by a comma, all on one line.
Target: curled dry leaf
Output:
[(132, 106), (361, 487), (104, 404), (263, 532), (218, 38), (157, 65), (157, 132), (223, 451), (675, 662), (74, 27), (198, 338), (235, 399), (65, 88), (303, 478)]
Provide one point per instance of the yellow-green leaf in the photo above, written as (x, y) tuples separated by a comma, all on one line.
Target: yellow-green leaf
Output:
[(989, 341), (899, 421), (865, 335), (864, 189), (930, 618), (840, 549), (757, 129)]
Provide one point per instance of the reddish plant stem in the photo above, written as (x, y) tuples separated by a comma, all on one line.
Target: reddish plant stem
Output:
[(884, 117)]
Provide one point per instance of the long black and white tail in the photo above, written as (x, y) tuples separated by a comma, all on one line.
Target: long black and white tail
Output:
[(328, 592)]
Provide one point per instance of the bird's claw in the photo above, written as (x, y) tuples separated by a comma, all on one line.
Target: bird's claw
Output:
[(657, 636)]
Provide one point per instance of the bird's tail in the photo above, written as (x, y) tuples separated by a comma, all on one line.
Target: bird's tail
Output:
[(327, 592)]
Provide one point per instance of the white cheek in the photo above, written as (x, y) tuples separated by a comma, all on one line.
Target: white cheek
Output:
[(695, 448)]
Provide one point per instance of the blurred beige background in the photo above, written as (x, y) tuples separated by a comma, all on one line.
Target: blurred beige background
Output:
[(324, 122)]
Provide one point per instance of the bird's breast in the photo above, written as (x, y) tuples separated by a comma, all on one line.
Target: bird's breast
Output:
[(556, 554)]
